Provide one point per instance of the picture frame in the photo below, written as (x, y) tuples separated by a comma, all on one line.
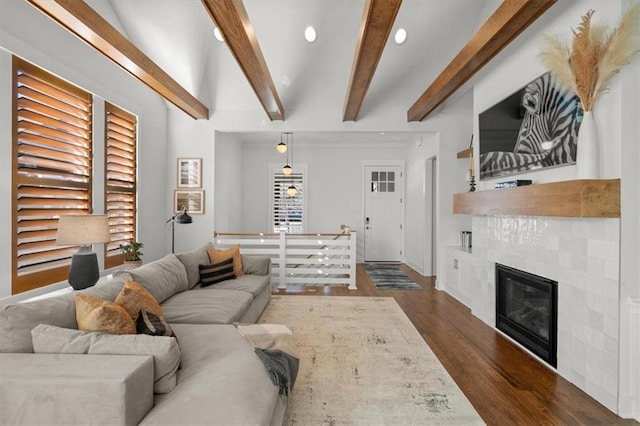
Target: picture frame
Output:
[(192, 200), (189, 172)]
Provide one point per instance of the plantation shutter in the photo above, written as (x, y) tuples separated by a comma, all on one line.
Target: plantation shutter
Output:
[(120, 187), (288, 210), (52, 157)]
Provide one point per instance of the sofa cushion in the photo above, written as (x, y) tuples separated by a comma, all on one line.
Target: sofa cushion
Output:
[(221, 381), (163, 278), (213, 273), (165, 351), (257, 265), (191, 260), (253, 284), (219, 255), (49, 339), (209, 306), (95, 314), (107, 290), (17, 320), (135, 298)]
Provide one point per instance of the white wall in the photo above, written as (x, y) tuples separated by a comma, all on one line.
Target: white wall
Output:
[(334, 185), (189, 138), (630, 242), (518, 64), (228, 183), (50, 47), (616, 115), (419, 211)]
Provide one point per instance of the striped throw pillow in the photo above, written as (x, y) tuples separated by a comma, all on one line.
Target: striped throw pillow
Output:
[(216, 272)]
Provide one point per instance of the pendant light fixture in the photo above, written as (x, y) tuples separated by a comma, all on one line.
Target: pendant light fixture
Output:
[(287, 169), (281, 147), (291, 190)]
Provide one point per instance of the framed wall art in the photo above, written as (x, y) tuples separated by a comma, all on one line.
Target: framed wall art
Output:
[(191, 200), (189, 172), (533, 128)]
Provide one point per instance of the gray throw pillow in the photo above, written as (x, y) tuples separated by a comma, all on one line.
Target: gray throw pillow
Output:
[(162, 278), (256, 265), (191, 260)]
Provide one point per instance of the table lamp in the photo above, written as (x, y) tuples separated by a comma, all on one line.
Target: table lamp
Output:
[(83, 230)]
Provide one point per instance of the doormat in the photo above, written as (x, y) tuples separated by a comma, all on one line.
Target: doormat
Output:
[(390, 277)]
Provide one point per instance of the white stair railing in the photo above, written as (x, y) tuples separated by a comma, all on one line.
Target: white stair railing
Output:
[(301, 259)]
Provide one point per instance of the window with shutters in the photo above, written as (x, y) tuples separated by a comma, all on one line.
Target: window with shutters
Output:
[(120, 184), (52, 156), (288, 211)]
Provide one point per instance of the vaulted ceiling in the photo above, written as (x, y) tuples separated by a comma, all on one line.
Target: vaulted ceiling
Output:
[(354, 66)]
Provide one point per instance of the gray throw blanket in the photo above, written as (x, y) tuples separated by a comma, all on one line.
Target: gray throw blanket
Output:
[(274, 346), (282, 368)]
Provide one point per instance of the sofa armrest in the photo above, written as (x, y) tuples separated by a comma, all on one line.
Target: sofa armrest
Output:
[(74, 388), (256, 265)]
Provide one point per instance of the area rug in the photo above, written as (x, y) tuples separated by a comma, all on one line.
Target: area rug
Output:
[(362, 362), (390, 277)]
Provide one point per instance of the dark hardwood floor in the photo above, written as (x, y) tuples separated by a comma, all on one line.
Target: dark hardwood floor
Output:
[(505, 385)]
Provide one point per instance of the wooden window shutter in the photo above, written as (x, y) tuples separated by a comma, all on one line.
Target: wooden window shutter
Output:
[(120, 186), (52, 169)]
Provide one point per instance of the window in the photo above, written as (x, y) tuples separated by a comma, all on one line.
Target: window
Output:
[(120, 184), (52, 156), (288, 211), (383, 181)]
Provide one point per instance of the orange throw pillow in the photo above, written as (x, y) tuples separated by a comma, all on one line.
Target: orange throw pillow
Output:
[(217, 256), (95, 314), (135, 298)]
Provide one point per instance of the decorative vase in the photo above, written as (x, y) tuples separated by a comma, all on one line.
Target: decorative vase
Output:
[(588, 157)]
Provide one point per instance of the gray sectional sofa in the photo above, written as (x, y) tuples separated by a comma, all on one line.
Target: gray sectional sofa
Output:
[(220, 381)]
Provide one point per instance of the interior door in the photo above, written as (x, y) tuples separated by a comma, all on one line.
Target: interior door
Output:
[(383, 227)]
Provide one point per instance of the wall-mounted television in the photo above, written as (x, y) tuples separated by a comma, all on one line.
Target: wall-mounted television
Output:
[(534, 127)]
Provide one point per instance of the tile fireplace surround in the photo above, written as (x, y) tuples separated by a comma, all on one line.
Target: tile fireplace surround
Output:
[(582, 255)]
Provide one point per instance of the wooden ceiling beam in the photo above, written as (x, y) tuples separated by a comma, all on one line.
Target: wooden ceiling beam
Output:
[(233, 22), (510, 19), (80, 19), (377, 21)]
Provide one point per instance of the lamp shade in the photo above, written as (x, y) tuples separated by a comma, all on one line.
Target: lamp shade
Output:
[(83, 230), (183, 217), (292, 190), (281, 147)]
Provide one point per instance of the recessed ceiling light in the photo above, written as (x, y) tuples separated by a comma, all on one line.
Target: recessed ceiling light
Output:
[(401, 36), (217, 34), (310, 34)]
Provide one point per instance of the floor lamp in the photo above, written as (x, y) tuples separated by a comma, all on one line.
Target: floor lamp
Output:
[(181, 217), (83, 230)]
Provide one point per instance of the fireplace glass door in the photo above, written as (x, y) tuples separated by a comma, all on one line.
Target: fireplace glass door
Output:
[(526, 310)]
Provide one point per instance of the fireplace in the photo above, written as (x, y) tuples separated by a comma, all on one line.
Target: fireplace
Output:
[(527, 310)]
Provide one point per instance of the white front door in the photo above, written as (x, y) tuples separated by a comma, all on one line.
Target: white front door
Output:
[(383, 228)]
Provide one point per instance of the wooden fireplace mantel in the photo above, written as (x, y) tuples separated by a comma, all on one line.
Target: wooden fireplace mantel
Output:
[(574, 198)]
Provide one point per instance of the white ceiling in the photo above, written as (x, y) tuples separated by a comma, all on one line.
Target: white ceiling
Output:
[(178, 36)]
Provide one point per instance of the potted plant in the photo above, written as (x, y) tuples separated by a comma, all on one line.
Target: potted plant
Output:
[(132, 253)]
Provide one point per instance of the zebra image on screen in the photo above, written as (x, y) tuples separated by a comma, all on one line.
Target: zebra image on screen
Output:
[(548, 133)]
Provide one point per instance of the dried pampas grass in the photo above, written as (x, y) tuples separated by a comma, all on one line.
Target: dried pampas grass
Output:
[(595, 57)]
